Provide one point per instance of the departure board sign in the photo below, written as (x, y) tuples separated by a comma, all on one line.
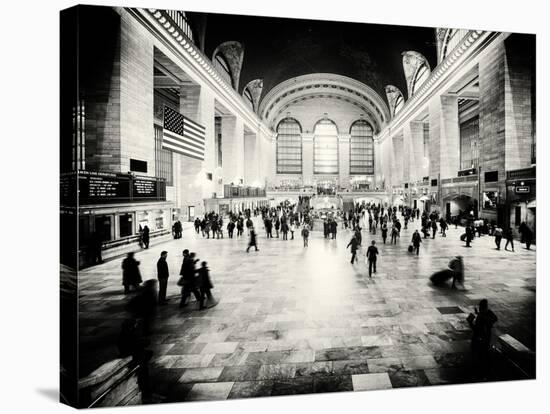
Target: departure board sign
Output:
[(144, 188), (100, 187)]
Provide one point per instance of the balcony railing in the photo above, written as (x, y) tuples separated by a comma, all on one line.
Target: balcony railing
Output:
[(182, 22), (233, 191)]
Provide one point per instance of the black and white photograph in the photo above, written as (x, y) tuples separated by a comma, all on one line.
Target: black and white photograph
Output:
[(311, 207), (256, 206)]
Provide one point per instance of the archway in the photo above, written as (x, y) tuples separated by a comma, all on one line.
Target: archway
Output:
[(462, 206)]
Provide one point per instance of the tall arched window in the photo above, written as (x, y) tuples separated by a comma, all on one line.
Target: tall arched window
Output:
[(421, 75), (289, 147), (361, 149), (325, 148), (399, 102), (248, 98), (223, 68)]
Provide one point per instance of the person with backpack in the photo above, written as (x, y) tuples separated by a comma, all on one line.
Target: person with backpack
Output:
[(305, 235), (372, 252)]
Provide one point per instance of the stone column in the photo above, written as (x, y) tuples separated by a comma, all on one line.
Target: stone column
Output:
[(251, 159), (344, 159), (233, 149), (450, 137), (190, 175), (419, 167), (307, 158)]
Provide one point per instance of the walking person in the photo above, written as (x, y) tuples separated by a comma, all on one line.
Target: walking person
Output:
[(284, 230), (145, 237), (469, 235), (305, 235), (509, 239), (443, 226), (205, 285), (384, 228), (354, 247), (456, 265), (434, 228), (481, 324), (497, 232), (130, 273), (230, 228), (394, 234), (372, 252), (187, 278), (277, 226), (526, 235), (292, 229), (162, 276), (252, 242), (416, 240)]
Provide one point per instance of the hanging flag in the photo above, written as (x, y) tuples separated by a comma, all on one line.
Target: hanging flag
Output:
[(182, 135)]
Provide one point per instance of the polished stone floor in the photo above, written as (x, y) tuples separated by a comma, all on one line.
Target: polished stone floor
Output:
[(296, 320)]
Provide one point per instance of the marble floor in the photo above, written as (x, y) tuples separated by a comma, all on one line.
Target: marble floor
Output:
[(294, 320)]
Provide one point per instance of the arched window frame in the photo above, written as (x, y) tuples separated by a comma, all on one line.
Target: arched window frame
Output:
[(293, 143), (399, 102), (361, 154), (222, 66), (421, 75), (320, 169), (248, 98)]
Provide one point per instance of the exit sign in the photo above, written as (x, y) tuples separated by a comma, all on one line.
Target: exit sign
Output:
[(523, 189)]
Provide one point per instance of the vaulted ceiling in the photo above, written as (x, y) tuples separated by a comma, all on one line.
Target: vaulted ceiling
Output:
[(277, 49)]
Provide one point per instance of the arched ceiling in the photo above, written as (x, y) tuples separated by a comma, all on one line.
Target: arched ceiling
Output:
[(278, 49), (324, 86)]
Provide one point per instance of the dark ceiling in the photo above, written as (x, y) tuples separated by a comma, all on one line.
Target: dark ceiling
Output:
[(277, 49)]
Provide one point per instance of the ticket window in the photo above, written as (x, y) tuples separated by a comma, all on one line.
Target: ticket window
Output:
[(126, 224), (103, 226)]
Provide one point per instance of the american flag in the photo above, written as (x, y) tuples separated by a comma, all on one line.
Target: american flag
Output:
[(182, 135)]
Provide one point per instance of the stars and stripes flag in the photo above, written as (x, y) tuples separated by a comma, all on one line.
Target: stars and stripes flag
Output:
[(182, 135)]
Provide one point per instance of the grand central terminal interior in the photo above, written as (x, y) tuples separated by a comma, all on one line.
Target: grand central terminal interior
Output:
[(280, 206)]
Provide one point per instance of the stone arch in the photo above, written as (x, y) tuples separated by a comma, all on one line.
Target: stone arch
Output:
[(233, 53), (395, 99), (255, 88), (413, 63)]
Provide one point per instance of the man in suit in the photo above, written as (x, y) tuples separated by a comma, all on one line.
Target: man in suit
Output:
[(162, 276), (354, 247), (372, 252)]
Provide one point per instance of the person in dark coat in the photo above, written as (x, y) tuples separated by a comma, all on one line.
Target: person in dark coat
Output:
[(416, 240), (443, 226), (131, 343), (96, 243), (456, 266), (143, 306), (230, 228), (497, 232), (187, 274), (253, 242), (481, 324), (277, 226), (354, 247), (305, 236), (372, 252), (145, 237), (526, 235), (130, 273), (434, 228), (240, 226), (469, 235), (204, 283), (333, 228), (162, 276), (384, 228), (509, 239)]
